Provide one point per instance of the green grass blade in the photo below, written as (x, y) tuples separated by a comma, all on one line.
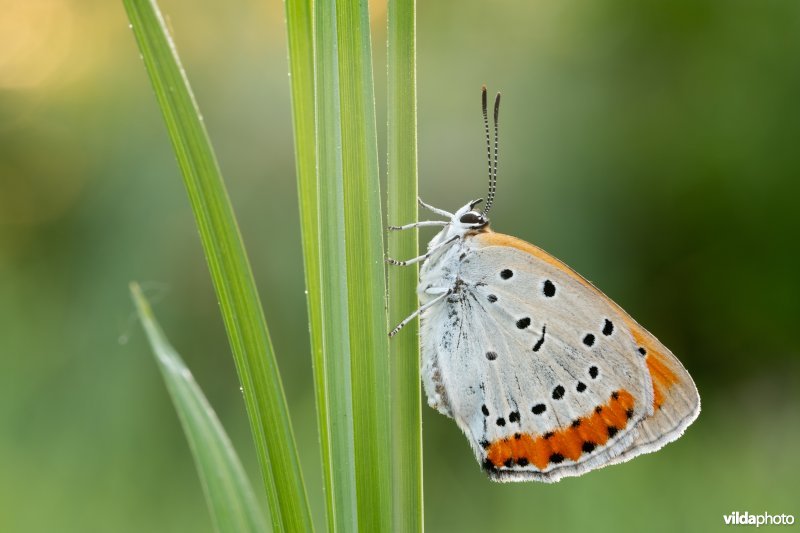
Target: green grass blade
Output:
[(228, 492), (341, 498), (366, 283), (299, 31), (352, 269), (230, 271), (402, 209)]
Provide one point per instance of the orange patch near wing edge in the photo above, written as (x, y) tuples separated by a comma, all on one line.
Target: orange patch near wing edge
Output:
[(490, 238), (663, 377), (581, 436)]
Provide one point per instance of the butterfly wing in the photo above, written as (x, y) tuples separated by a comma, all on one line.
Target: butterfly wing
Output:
[(676, 402), (541, 371)]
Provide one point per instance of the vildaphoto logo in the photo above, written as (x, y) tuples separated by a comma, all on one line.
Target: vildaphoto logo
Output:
[(746, 519)]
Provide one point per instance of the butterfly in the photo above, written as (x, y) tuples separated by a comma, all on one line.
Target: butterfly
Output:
[(545, 375)]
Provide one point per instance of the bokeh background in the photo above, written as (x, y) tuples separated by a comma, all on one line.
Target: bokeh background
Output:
[(652, 146)]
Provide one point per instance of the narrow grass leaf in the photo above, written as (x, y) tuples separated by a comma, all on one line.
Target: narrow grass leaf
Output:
[(402, 209), (230, 270), (366, 283), (341, 498), (230, 497), (352, 272), (299, 31)]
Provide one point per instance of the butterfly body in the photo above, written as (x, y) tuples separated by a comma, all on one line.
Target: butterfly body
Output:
[(545, 375)]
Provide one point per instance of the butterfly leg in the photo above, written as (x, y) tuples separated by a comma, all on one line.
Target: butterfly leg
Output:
[(422, 257), (441, 291), (440, 212), (421, 224)]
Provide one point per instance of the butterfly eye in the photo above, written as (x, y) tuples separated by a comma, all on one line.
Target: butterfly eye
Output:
[(472, 218)]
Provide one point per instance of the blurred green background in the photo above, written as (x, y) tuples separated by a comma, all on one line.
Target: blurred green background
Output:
[(652, 146)]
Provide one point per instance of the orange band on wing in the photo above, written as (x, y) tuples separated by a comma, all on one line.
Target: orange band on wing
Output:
[(581, 437)]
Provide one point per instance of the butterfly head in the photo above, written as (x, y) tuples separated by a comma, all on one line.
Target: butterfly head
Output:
[(468, 219)]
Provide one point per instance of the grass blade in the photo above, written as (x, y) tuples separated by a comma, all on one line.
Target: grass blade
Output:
[(299, 31), (230, 270), (228, 492), (366, 283), (341, 498), (352, 268), (402, 209)]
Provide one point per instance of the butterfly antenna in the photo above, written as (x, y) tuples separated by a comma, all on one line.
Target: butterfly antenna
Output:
[(488, 144), (492, 163)]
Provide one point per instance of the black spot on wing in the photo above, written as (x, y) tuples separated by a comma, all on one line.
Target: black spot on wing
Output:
[(558, 392), (556, 458), (549, 289)]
